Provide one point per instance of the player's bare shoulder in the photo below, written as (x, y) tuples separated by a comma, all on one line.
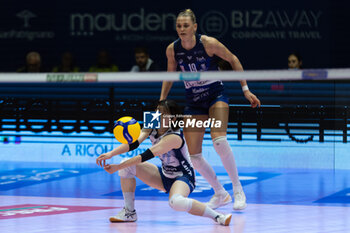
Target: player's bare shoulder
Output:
[(209, 43), (170, 47), (208, 40), (170, 50)]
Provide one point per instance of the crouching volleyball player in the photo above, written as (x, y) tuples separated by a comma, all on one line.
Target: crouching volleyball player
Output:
[(176, 176)]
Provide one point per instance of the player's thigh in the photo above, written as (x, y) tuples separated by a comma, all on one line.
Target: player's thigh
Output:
[(220, 112), (194, 135), (179, 187), (149, 174)]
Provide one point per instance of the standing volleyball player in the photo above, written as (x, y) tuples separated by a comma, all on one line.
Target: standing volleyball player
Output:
[(176, 176), (192, 53)]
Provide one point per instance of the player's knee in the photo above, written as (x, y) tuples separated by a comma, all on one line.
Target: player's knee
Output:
[(217, 133), (129, 172), (180, 203), (197, 160)]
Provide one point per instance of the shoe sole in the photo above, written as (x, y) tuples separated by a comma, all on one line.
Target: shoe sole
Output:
[(228, 220), (111, 219)]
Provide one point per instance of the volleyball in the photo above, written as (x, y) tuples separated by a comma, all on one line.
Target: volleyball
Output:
[(126, 130)]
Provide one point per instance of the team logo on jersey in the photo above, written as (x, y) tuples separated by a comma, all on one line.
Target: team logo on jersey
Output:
[(186, 168), (198, 52), (151, 120), (189, 57), (200, 59)]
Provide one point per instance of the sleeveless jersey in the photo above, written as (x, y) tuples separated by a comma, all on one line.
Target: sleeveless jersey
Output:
[(195, 60), (175, 162)]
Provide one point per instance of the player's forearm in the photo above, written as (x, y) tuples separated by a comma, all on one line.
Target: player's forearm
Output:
[(123, 148), (243, 83), (166, 86), (237, 66)]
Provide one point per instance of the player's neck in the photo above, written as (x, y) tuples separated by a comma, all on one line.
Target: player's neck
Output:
[(189, 43)]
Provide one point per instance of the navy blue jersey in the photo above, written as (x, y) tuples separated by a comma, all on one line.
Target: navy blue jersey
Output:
[(176, 162), (194, 60)]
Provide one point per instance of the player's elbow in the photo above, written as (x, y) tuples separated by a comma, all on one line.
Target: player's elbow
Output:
[(235, 59)]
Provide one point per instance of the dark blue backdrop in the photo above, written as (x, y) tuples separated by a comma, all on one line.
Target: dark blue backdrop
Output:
[(260, 33)]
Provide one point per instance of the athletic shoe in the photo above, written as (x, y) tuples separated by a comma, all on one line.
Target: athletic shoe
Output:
[(219, 200), (224, 219), (124, 215), (240, 200)]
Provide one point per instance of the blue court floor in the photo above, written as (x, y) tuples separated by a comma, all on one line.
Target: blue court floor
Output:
[(279, 200)]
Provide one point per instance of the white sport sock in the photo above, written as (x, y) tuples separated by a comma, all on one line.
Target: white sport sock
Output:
[(224, 150), (204, 168), (129, 199), (210, 213)]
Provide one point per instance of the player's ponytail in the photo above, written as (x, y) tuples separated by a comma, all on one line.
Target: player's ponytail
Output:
[(189, 13)]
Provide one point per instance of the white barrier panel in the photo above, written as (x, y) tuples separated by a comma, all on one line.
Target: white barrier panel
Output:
[(256, 75), (248, 153)]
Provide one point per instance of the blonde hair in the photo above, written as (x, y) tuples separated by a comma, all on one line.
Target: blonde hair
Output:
[(188, 13), (33, 55)]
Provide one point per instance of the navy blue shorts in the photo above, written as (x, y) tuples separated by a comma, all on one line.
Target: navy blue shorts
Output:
[(200, 99), (168, 182)]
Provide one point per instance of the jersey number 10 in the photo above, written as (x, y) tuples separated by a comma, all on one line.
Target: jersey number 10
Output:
[(192, 67)]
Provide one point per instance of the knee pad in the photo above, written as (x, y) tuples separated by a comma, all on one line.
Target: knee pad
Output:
[(180, 203), (129, 172), (197, 160)]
